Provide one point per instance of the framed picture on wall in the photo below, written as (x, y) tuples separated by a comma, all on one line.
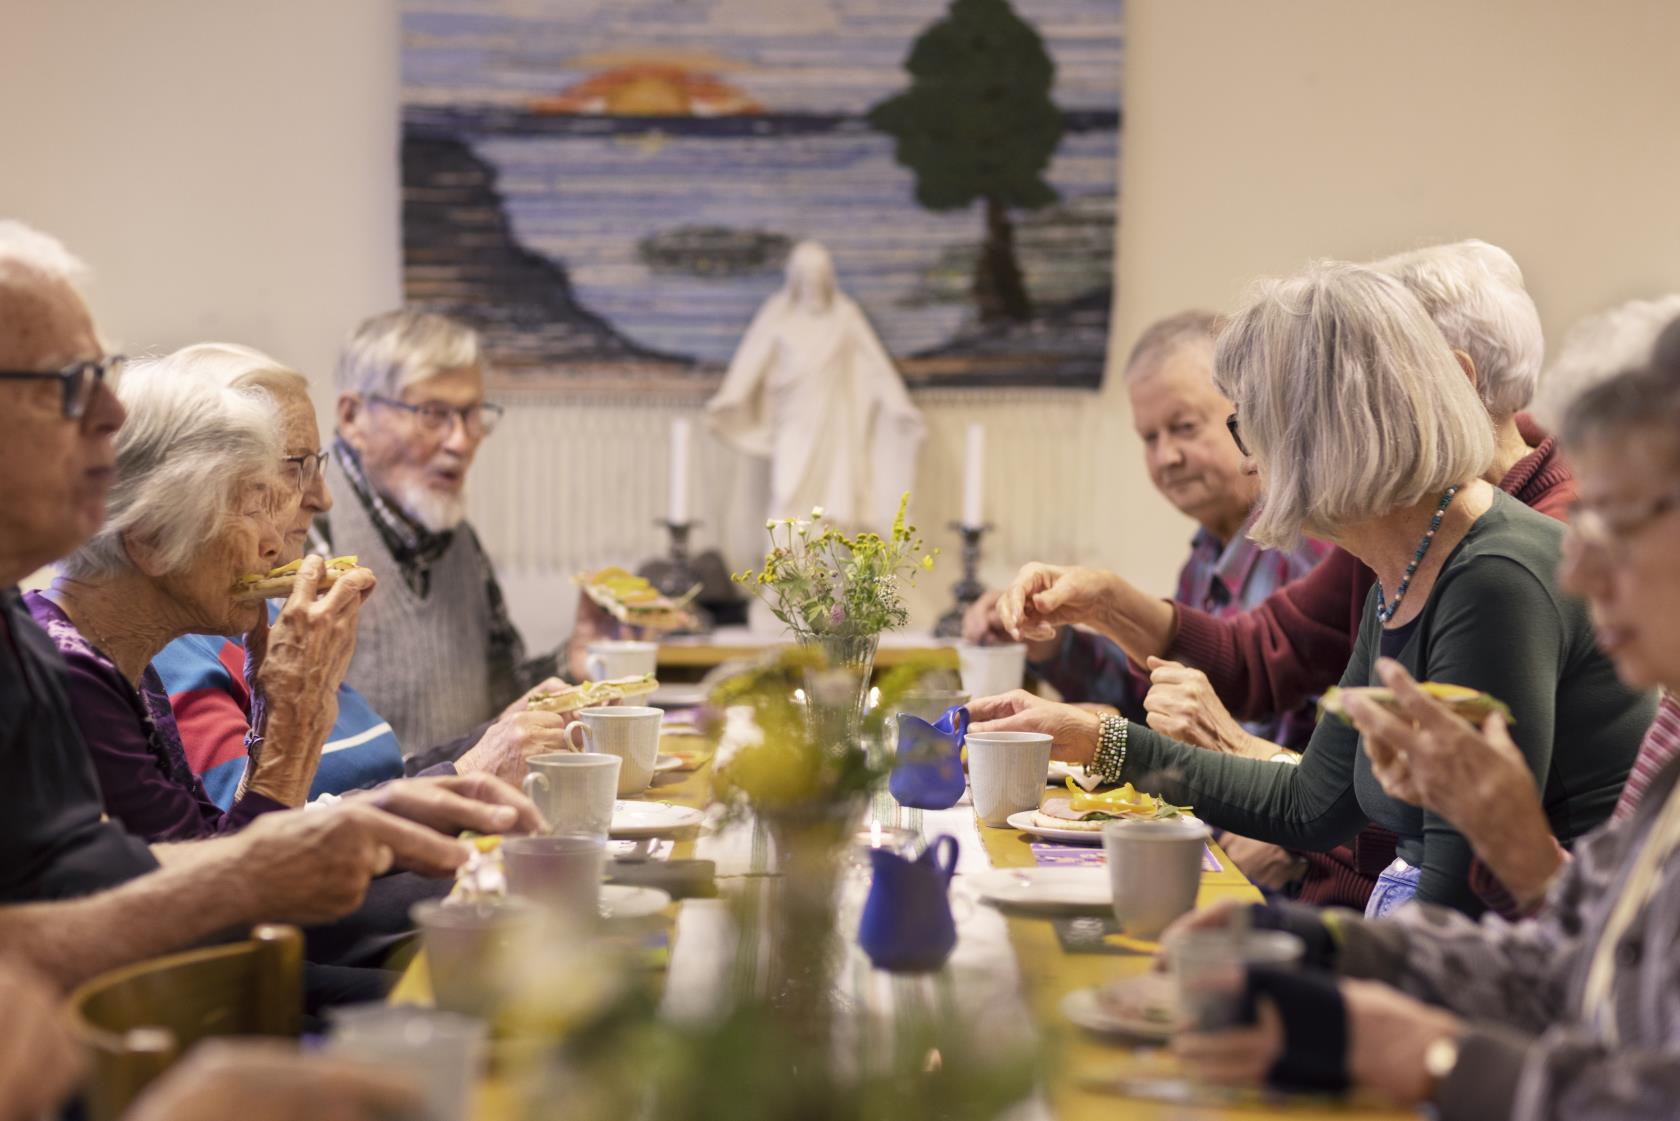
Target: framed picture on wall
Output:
[(609, 189)]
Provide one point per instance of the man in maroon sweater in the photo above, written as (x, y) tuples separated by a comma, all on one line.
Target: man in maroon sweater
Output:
[(1297, 642)]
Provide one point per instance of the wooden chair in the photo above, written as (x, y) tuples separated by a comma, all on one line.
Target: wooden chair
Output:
[(136, 1022)]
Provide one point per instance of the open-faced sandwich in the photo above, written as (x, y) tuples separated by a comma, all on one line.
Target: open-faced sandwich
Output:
[(276, 583), (591, 693), (631, 599), (1471, 704), (483, 877), (1087, 812)]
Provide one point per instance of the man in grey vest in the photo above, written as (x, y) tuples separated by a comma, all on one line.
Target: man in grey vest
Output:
[(437, 654)]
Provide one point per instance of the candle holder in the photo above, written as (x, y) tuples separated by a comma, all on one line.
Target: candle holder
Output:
[(675, 573), (969, 588)]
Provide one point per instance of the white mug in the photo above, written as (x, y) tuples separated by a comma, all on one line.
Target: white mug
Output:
[(989, 670), (575, 791), (630, 732), (1155, 868), (610, 660), (1007, 772)]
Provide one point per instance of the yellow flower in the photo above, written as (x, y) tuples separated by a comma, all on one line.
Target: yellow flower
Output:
[(927, 563)]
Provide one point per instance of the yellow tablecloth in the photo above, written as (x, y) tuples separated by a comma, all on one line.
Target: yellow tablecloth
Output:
[(1048, 974)]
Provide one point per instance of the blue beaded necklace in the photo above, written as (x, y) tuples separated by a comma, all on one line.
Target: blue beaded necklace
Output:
[(1385, 611)]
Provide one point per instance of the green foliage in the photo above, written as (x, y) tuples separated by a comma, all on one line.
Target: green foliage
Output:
[(977, 121), (824, 583)]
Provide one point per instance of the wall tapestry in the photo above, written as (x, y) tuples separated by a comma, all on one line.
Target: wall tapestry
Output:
[(610, 189)]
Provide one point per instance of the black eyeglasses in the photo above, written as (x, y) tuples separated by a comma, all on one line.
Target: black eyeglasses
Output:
[(77, 381), (479, 420), (309, 467), (1235, 430)]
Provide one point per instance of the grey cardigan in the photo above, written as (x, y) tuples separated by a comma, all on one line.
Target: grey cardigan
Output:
[(1531, 1052)]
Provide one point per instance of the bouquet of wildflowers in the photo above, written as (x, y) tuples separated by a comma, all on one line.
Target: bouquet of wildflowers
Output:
[(824, 583)]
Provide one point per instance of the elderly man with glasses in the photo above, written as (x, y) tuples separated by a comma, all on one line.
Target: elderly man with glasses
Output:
[(436, 652)]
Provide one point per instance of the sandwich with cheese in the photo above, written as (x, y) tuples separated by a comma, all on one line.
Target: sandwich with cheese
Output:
[(1473, 705), (1086, 812), (276, 583)]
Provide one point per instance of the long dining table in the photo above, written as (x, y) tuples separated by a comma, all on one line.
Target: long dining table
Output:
[(1012, 970)]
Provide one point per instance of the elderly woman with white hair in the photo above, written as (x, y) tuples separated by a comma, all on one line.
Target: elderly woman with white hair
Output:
[(199, 501), (1365, 431)]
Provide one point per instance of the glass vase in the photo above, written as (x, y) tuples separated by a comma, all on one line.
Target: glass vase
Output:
[(837, 690)]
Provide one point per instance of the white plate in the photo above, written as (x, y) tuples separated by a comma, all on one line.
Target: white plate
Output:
[(1025, 823), (1049, 891), (1082, 1008), (667, 763), (652, 819), (627, 901)]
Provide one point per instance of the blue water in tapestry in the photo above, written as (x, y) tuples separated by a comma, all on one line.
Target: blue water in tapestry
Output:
[(650, 240)]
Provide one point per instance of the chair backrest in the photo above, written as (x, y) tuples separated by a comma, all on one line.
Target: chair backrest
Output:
[(137, 1021)]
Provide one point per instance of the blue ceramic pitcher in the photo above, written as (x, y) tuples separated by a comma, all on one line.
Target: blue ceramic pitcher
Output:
[(927, 771), (907, 925)]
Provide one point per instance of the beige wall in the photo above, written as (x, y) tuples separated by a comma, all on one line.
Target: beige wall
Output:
[(228, 168)]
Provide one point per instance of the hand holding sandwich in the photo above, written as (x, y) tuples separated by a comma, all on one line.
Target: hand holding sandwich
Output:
[(295, 666)]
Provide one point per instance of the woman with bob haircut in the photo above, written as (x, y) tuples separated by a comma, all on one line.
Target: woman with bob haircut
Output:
[(1365, 431), (201, 499)]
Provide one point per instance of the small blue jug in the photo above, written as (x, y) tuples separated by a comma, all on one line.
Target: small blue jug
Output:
[(907, 925), (927, 772)]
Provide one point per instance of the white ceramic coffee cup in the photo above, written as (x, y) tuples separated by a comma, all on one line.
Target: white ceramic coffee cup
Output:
[(989, 670), (630, 732), (561, 872), (1007, 772), (611, 659), (1155, 868), (574, 790)]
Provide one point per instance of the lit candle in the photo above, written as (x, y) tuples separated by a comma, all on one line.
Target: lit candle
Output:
[(680, 432), (972, 517)]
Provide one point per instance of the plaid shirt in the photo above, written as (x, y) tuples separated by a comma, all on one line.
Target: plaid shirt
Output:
[(415, 549), (1219, 578)]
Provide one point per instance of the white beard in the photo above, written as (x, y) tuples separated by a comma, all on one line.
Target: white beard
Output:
[(436, 511)]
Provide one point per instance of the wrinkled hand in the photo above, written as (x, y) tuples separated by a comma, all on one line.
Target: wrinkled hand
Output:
[(1181, 703), (507, 743), (1239, 1056), (981, 622), (39, 1061), (1430, 757), (1388, 1033), (272, 1082), (1072, 730), (523, 701), (295, 667), (453, 803), (1046, 596), (1265, 865), (313, 866), (592, 624)]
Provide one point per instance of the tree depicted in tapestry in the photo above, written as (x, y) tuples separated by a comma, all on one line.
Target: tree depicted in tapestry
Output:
[(609, 189)]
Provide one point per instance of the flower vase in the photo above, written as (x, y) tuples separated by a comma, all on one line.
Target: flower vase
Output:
[(800, 921), (836, 691)]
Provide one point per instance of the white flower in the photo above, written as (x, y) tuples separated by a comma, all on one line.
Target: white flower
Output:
[(816, 512), (770, 524)]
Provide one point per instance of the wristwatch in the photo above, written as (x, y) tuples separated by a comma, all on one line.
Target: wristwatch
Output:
[(1439, 1059)]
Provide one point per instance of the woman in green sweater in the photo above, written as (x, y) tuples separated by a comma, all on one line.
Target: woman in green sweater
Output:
[(1365, 431)]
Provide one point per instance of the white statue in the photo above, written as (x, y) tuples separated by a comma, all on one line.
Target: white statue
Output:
[(812, 389)]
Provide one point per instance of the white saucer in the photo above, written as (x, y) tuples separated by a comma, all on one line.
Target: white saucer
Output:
[(1025, 823), (627, 901), (1155, 991), (1047, 891), (667, 763), (652, 819)]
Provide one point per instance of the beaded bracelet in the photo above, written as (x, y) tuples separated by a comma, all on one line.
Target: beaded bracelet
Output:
[(1110, 758)]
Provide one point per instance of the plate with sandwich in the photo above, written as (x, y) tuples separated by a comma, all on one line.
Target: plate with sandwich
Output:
[(633, 600), (277, 583), (1471, 704), (1140, 1007), (1078, 816)]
